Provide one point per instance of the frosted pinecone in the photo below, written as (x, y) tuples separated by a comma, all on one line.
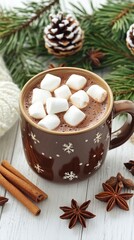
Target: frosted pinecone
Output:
[(63, 36), (130, 39)]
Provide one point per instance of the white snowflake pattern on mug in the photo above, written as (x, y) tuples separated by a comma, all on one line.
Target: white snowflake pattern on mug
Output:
[(70, 175), (109, 121), (98, 137), (98, 165), (107, 136), (38, 168), (68, 148), (33, 137)]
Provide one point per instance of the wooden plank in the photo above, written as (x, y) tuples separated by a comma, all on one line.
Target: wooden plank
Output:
[(7, 143)]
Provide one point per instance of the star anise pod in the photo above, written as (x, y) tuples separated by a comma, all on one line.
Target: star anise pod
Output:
[(3, 200), (120, 181), (95, 56), (51, 65), (130, 166), (114, 197), (76, 213)]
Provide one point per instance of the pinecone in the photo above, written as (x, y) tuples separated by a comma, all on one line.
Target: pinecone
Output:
[(130, 39), (63, 36)]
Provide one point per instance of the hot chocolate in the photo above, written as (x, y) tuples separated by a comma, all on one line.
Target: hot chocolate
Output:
[(68, 154), (94, 111)]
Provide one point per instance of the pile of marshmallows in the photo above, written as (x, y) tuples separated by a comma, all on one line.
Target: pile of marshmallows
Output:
[(51, 99)]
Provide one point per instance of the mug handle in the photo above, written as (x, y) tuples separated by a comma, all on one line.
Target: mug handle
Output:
[(121, 135)]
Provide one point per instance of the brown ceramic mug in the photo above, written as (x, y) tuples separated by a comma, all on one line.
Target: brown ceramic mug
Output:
[(73, 156)]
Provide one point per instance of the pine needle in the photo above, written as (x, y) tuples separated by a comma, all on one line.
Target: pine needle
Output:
[(22, 43)]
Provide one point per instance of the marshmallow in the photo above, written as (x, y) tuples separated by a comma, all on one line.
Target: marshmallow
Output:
[(74, 116), (76, 82), (40, 95), (36, 110), (63, 92), (97, 93), (80, 99), (56, 105), (50, 122), (50, 82)]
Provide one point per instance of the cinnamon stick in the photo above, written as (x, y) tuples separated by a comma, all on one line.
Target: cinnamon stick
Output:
[(21, 184), (39, 194), (19, 196)]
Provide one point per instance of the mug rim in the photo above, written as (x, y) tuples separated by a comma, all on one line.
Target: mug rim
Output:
[(103, 119)]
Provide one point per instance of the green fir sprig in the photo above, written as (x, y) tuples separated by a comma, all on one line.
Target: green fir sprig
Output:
[(105, 31), (22, 44), (21, 38)]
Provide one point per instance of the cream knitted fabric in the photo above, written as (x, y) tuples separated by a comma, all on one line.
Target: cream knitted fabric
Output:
[(9, 104)]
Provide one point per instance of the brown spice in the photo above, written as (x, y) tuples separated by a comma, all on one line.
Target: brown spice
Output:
[(114, 197), (51, 65), (3, 200), (95, 56), (19, 195), (120, 181), (14, 182), (21, 182), (76, 213), (130, 166)]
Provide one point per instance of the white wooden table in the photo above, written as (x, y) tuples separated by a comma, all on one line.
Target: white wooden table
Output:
[(17, 223)]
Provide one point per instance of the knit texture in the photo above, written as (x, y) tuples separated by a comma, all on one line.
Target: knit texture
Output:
[(9, 100)]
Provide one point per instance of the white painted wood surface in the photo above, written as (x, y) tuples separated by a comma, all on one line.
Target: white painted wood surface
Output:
[(16, 223)]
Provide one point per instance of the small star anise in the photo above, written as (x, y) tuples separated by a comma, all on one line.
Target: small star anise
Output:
[(114, 197), (130, 166), (76, 213), (51, 65), (120, 181), (95, 56), (3, 200)]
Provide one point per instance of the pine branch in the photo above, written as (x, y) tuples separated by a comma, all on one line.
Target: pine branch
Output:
[(106, 31), (21, 39), (120, 16), (22, 25), (121, 80), (123, 13), (25, 21), (24, 67)]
